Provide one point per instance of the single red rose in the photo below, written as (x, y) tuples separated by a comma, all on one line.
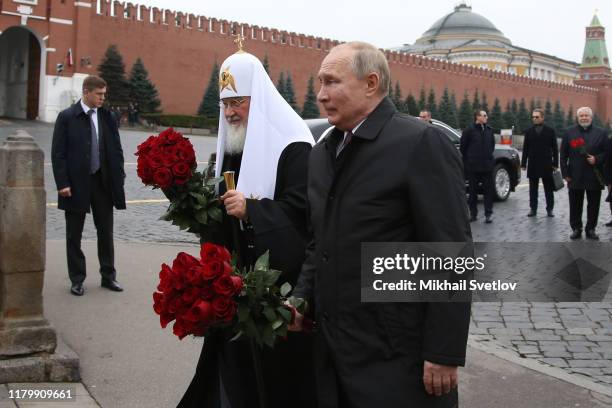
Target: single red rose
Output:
[(212, 251), (207, 293), (171, 150), (238, 284), (190, 295), (212, 270), (195, 276), (156, 160), (224, 308), (175, 137), (185, 152), (145, 146), (224, 286), (169, 160), (166, 318), (158, 303), (162, 177), (201, 312), (166, 279), (180, 328), (181, 169)]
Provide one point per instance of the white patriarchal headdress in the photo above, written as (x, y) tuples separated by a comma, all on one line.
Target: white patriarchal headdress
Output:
[(272, 124)]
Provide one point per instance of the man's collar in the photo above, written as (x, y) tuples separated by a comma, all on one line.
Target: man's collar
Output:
[(373, 124), (86, 108)]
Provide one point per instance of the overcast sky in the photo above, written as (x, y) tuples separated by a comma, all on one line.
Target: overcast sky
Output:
[(550, 26)]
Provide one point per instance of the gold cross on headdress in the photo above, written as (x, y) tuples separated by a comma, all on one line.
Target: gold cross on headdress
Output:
[(239, 40)]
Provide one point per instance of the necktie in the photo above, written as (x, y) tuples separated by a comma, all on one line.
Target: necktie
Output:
[(345, 142), (95, 149)]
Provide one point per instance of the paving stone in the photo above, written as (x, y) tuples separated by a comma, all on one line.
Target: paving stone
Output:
[(578, 349), (587, 363), (490, 325), (588, 371), (587, 356), (528, 349), (596, 337), (520, 325), (556, 362), (574, 337), (604, 378), (580, 330), (547, 325), (582, 343), (556, 353)]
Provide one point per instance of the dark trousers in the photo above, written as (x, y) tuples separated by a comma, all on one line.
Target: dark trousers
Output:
[(102, 210), (486, 178), (576, 201), (548, 192)]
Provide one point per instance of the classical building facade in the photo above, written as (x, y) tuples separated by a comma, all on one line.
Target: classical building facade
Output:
[(466, 37), (47, 48)]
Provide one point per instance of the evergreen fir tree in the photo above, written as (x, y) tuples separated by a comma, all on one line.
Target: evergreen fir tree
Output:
[(484, 105), (311, 109), (112, 70), (571, 118), (280, 85), (466, 114), (422, 100), (444, 109), (431, 103), (475, 103), (558, 119), (397, 97), (143, 91), (411, 105), (209, 107), (266, 64), (532, 106), (496, 120), (548, 114), (514, 107), (523, 118), (454, 123), (290, 93), (508, 117)]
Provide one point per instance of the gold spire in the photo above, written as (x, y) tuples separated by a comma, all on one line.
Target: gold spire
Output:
[(239, 41)]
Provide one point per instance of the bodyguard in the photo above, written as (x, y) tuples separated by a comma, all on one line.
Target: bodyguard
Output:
[(87, 163), (540, 158)]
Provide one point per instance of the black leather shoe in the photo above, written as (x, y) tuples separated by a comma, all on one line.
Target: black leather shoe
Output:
[(112, 285), (550, 213), (77, 289), (488, 219), (609, 224), (576, 234), (590, 234), (531, 213), (473, 218)]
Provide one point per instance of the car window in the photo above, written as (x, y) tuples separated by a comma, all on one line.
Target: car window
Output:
[(452, 135)]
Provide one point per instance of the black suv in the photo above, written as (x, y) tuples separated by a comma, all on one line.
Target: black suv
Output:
[(507, 171)]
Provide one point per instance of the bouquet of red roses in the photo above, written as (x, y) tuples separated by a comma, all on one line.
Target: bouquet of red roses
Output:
[(209, 293), (168, 162), (580, 145)]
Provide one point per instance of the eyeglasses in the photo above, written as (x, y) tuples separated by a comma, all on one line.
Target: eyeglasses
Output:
[(232, 103)]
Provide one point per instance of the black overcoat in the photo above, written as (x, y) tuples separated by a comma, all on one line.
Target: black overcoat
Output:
[(608, 164), (279, 226), (575, 165), (540, 152), (398, 180), (477, 146), (71, 157)]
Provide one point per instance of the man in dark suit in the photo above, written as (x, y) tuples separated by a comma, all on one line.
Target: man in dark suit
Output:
[(88, 168), (379, 176), (540, 158), (477, 146), (581, 168), (608, 174)]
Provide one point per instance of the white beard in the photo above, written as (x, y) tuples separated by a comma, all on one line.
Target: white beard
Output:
[(235, 138)]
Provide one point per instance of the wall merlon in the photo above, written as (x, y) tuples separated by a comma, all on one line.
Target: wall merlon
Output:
[(118, 9), (157, 16), (145, 14), (132, 12)]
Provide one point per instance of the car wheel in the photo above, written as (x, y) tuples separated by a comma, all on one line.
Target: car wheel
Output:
[(501, 180)]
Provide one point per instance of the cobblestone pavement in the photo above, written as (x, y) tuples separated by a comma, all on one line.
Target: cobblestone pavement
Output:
[(576, 337)]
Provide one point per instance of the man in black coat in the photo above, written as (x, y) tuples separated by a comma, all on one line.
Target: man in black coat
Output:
[(540, 158), (87, 161), (608, 174), (266, 144), (581, 168), (477, 146), (379, 176)]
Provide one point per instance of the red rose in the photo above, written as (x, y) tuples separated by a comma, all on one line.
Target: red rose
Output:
[(145, 146), (207, 293), (212, 270), (158, 303), (224, 286), (195, 275), (190, 295), (175, 137), (166, 279), (224, 308), (181, 169), (156, 160), (162, 177), (181, 328), (237, 281), (169, 160), (212, 251), (200, 312), (179, 181), (165, 318), (185, 152)]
